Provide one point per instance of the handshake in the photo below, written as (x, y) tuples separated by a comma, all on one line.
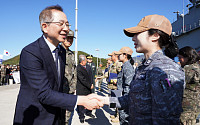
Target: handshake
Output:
[(92, 101)]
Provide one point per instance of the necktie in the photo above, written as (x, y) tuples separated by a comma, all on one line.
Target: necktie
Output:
[(56, 57), (56, 61)]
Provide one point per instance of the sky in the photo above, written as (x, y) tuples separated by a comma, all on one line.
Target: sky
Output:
[(100, 22)]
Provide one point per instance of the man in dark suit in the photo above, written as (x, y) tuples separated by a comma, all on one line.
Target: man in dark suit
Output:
[(93, 66), (84, 85), (42, 62), (8, 71)]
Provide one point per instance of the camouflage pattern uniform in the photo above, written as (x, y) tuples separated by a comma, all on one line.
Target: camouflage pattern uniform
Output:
[(70, 78), (124, 79), (70, 73), (105, 74), (191, 94), (115, 68), (3, 75), (155, 96), (99, 74)]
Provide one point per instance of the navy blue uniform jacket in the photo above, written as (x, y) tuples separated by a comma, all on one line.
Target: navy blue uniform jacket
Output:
[(40, 98)]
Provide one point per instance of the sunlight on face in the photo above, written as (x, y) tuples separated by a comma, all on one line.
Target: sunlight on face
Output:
[(142, 42)]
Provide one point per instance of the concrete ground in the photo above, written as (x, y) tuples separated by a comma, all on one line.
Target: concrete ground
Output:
[(102, 114), (8, 97)]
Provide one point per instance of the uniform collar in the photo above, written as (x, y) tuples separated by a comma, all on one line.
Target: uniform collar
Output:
[(50, 45), (154, 56), (126, 62)]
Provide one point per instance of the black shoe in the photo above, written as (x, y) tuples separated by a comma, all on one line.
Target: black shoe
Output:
[(82, 120), (197, 120), (91, 115)]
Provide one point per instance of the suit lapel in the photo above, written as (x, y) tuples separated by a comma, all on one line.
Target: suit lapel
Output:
[(45, 51), (62, 61), (84, 69)]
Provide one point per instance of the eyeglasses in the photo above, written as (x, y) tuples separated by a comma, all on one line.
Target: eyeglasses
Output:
[(61, 24)]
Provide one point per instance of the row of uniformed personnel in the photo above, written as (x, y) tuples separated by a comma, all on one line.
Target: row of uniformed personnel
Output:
[(156, 90), (158, 79)]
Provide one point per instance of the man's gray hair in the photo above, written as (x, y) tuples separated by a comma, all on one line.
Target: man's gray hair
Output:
[(81, 58)]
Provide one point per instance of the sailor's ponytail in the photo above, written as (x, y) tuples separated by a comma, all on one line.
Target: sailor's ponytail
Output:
[(167, 42), (131, 59), (171, 50)]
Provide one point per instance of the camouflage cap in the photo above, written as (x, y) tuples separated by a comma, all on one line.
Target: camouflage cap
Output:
[(71, 33), (113, 53), (126, 50)]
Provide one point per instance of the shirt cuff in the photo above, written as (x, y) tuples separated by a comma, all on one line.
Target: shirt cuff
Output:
[(114, 102)]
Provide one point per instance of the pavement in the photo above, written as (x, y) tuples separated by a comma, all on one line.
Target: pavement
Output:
[(102, 114), (8, 97)]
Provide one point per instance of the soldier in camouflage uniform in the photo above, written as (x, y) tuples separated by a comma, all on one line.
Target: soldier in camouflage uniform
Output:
[(92, 65), (115, 68), (107, 70), (106, 73), (99, 74), (155, 96), (70, 71), (108, 65), (188, 58), (3, 74)]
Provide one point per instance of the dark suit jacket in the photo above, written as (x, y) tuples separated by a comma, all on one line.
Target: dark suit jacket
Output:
[(90, 73), (40, 99), (84, 83)]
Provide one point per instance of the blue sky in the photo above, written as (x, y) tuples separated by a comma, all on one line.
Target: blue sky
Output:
[(100, 22)]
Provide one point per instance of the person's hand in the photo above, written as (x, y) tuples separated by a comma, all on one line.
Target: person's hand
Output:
[(102, 99), (92, 86), (95, 80), (89, 104)]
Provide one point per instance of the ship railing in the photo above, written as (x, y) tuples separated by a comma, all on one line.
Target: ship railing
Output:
[(188, 28)]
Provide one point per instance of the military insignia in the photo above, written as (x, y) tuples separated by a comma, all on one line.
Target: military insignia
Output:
[(148, 61)]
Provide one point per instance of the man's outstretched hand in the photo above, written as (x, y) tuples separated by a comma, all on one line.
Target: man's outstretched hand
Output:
[(89, 103), (104, 100)]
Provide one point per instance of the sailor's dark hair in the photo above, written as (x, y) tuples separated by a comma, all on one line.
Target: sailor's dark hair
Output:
[(129, 58), (189, 53), (167, 42)]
